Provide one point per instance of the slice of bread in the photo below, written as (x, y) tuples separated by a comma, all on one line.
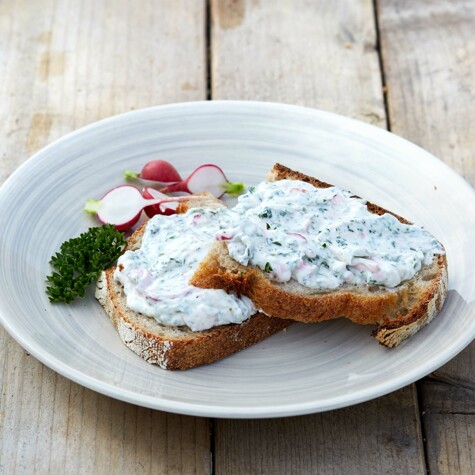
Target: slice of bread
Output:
[(398, 313), (178, 347)]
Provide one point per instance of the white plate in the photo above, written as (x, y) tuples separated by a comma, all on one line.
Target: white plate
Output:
[(308, 368)]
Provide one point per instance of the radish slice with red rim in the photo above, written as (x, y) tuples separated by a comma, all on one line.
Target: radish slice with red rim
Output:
[(210, 178), (123, 205), (165, 208)]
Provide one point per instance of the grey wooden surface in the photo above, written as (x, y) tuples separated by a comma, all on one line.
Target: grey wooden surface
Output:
[(407, 65)]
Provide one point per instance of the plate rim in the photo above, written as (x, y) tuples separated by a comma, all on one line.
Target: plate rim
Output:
[(201, 409), (359, 124)]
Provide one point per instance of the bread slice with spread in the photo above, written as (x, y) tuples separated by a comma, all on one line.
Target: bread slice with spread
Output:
[(158, 315), (308, 258)]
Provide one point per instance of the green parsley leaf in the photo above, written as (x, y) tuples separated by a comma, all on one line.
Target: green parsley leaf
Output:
[(267, 267), (81, 260)]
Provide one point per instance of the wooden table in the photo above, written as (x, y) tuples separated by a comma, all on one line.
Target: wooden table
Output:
[(401, 64)]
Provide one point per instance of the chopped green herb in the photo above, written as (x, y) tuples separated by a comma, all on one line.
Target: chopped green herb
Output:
[(267, 213), (267, 267), (277, 243), (81, 260), (267, 226)]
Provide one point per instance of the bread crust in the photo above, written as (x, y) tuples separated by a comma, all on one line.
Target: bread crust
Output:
[(399, 313), (178, 348)]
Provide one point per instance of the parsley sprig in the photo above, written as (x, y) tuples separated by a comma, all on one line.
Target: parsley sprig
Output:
[(81, 260)]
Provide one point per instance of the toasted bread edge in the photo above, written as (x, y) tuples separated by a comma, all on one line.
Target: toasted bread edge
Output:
[(191, 349), (219, 270)]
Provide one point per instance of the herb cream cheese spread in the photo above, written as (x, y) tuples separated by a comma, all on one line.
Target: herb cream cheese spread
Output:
[(155, 277), (324, 238)]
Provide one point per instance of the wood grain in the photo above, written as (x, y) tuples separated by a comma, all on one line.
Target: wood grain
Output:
[(320, 54), (64, 64), (429, 62), (376, 437), (51, 425), (449, 421), (300, 52)]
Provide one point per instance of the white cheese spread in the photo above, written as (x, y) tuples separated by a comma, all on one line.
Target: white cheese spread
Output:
[(323, 238), (155, 277)]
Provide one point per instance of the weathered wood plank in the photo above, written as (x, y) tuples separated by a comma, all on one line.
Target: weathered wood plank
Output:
[(320, 54), (449, 422), (313, 53), (50, 425), (429, 63), (62, 65), (377, 437), (68, 64)]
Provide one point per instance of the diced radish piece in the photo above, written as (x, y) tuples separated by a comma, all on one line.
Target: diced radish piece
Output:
[(157, 171), (123, 205), (225, 236), (297, 234), (208, 178), (362, 263)]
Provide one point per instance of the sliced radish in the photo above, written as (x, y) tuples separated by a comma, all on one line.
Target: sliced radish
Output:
[(166, 208), (157, 171), (132, 177), (208, 178), (123, 205)]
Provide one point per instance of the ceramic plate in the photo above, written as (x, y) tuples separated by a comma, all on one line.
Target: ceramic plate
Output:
[(308, 368)]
